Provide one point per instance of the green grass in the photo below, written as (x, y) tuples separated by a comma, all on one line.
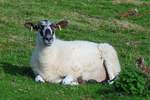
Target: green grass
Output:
[(88, 20)]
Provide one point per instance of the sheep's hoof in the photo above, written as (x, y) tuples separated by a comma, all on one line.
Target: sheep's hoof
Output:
[(38, 78), (70, 83), (68, 80), (112, 81), (74, 83)]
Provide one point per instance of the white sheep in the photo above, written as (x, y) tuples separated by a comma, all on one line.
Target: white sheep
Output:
[(56, 61)]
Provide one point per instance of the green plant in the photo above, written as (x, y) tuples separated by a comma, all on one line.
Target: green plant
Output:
[(130, 82)]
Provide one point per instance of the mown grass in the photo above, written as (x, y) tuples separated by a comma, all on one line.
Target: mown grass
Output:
[(91, 20)]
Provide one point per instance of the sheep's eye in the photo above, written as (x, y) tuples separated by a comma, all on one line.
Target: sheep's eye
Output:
[(42, 26)]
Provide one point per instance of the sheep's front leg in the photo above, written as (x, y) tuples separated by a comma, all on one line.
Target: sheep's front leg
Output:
[(39, 78), (69, 80)]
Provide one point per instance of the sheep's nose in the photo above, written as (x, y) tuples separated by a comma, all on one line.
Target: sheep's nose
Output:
[(47, 31), (49, 39)]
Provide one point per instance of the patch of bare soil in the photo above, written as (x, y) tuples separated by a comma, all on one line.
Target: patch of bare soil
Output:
[(130, 12)]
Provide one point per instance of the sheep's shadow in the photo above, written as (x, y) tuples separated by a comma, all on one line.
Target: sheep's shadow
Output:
[(108, 90), (16, 70)]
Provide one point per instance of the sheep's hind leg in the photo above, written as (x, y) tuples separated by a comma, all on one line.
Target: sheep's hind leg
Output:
[(108, 67), (39, 78)]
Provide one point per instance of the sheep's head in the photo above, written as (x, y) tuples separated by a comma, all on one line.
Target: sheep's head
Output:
[(46, 29)]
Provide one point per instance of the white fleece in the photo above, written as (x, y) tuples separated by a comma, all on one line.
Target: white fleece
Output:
[(74, 58)]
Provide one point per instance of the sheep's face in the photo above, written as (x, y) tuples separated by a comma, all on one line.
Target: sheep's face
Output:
[(46, 29)]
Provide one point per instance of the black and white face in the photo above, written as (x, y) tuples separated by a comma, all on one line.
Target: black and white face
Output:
[(46, 31)]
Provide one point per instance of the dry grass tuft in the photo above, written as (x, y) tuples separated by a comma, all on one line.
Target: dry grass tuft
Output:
[(135, 2), (125, 25), (83, 21), (93, 23), (129, 12), (133, 43)]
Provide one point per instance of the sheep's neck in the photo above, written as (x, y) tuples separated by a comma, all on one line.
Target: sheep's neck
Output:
[(41, 46)]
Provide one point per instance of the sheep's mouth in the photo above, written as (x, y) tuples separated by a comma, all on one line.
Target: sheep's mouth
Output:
[(48, 43)]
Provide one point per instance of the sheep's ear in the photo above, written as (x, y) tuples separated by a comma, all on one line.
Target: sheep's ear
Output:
[(61, 24), (31, 26)]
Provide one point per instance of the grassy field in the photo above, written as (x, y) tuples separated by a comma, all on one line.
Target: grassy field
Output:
[(92, 20)]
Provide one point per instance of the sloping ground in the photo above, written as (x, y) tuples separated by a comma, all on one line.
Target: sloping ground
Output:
[(91, 20), (135, 2)]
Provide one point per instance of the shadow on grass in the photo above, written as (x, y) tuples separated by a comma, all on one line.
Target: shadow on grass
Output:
[(16, 70), (108, 90)]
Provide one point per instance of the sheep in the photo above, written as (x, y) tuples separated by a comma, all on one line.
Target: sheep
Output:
[(59, 61)]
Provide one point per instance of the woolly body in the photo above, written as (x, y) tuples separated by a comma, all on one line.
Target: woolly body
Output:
[(75, 58)]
